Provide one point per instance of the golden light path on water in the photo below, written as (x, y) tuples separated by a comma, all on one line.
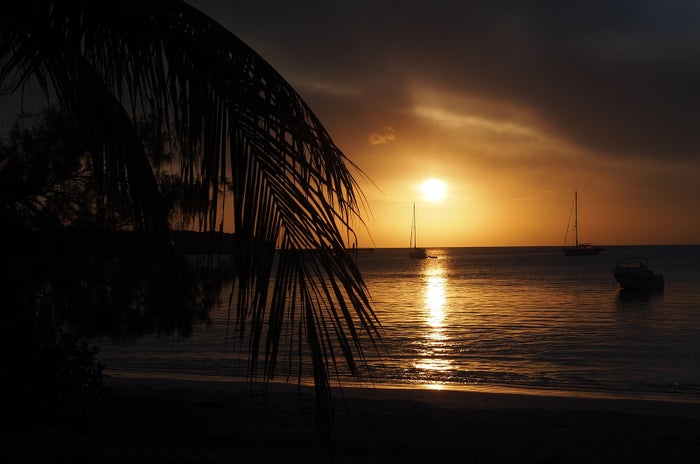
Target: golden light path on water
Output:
[(434, 298)]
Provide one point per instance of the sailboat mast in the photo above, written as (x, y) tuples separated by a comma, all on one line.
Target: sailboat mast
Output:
[(415, 233), (576, 215)]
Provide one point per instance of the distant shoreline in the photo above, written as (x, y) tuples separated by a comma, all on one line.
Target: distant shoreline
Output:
[(558, 247)]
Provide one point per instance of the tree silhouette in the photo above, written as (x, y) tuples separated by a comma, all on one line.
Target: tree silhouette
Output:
[(237, 127)]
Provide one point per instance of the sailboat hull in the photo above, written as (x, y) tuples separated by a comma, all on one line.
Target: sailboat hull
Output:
[(582, 250), (418, 253)]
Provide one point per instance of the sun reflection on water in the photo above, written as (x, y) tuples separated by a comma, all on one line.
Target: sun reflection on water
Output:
[(435, 308)]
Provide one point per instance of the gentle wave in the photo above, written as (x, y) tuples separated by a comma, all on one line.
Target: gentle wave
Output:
[(495, 318)]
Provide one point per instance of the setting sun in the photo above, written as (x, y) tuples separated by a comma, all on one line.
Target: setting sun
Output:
[(434, 190)]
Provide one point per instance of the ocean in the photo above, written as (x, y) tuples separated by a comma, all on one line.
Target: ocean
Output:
[(525, 319)]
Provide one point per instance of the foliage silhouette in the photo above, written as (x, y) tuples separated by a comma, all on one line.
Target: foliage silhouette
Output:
[(70, 273), (250, 151)]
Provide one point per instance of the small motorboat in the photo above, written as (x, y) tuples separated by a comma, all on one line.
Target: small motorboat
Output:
[(634, 274)]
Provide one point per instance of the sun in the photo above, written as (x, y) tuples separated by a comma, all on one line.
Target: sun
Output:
[(433, 190)]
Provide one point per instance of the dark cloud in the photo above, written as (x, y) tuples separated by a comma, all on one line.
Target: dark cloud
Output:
[(614, 77)]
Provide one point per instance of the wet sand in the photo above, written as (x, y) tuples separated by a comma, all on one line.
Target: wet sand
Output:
[(151, 420)]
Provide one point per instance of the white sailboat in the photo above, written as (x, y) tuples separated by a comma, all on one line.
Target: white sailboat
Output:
[(414, 252), (579, 248)]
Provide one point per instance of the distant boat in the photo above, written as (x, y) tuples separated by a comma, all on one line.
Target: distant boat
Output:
[(634, 274), (414, 252), (580, 248)]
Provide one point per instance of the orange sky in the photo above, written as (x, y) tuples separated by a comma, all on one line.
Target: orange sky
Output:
[(513, 105)]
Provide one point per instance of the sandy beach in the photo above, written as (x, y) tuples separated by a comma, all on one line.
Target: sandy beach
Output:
[(152, 420)]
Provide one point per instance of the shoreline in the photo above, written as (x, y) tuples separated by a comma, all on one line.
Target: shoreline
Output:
[(449, 397), (204, 381), (161, 420)]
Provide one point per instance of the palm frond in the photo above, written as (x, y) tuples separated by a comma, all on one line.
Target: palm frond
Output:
[(233, 117)]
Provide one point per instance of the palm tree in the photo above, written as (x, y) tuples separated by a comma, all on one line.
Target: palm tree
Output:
[(237, 123)]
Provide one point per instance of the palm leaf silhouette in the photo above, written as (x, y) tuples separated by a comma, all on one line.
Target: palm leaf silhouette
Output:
[(238, 125)]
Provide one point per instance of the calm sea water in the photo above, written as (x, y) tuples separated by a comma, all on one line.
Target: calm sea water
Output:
[(496, 318)]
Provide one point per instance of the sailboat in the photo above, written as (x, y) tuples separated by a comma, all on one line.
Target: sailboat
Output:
[(580, 248), (414, 252)]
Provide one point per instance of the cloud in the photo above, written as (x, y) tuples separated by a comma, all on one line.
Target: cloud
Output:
[(455, 120), (333, 88), (387, 136), (617, 78)]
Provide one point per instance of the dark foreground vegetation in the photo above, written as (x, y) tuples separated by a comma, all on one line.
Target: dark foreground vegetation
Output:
[(147, 117)]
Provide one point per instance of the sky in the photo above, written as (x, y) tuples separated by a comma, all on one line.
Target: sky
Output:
[(513, 105)]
